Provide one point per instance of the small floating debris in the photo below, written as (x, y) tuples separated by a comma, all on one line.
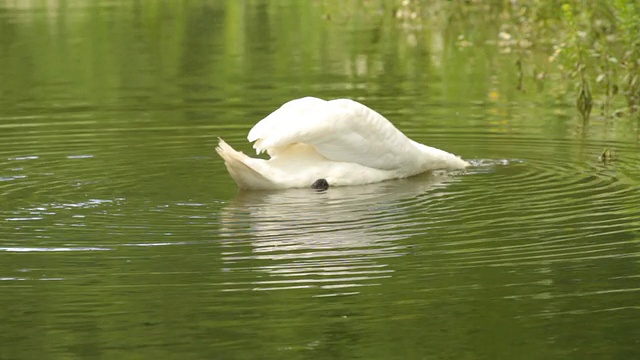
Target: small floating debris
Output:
[(607, 156)]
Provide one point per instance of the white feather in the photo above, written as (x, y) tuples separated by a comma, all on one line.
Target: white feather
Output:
[(341, 141)]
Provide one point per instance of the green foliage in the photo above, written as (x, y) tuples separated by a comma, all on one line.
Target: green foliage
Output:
[(589, 47), (584, 102), (594, 42), (629, 23)]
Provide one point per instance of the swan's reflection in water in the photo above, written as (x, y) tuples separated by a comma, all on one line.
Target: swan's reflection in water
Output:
[(336, 240)]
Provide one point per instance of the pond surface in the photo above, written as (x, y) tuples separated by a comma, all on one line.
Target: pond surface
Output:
[(122, 235)]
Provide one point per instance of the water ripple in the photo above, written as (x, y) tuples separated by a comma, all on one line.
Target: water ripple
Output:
[(551, 204), (525, 201), (52, 249)]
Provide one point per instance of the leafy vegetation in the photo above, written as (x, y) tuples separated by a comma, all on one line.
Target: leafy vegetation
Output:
[(594, 44), (585, 52)]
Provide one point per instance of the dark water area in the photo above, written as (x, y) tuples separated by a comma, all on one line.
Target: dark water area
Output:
[(123, 236)]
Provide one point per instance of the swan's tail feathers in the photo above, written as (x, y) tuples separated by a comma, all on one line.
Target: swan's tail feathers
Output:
[(239, 166)]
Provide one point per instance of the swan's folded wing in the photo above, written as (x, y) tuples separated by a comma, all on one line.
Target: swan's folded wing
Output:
[(340, 130), (284, 123)]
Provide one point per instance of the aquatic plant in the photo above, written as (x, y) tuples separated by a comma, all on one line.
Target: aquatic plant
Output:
[(594, 42), (628, 13), (584, 101)]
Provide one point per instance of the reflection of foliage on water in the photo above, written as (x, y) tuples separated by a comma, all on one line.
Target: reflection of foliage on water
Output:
[(368, 48), (584, 102), (593, 41)]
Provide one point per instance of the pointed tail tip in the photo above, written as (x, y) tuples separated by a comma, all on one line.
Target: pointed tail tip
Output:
[(241, 168), (223, 148)]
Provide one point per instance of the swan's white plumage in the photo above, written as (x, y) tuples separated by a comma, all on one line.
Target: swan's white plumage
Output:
[(341, 140)]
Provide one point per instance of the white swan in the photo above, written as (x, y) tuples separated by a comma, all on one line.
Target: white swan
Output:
[(318, 143)]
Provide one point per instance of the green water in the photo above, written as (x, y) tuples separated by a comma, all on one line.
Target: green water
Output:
[(123, 237)]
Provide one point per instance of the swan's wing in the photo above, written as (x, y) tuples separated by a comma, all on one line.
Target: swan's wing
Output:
[(283, 123), (340, 130)]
